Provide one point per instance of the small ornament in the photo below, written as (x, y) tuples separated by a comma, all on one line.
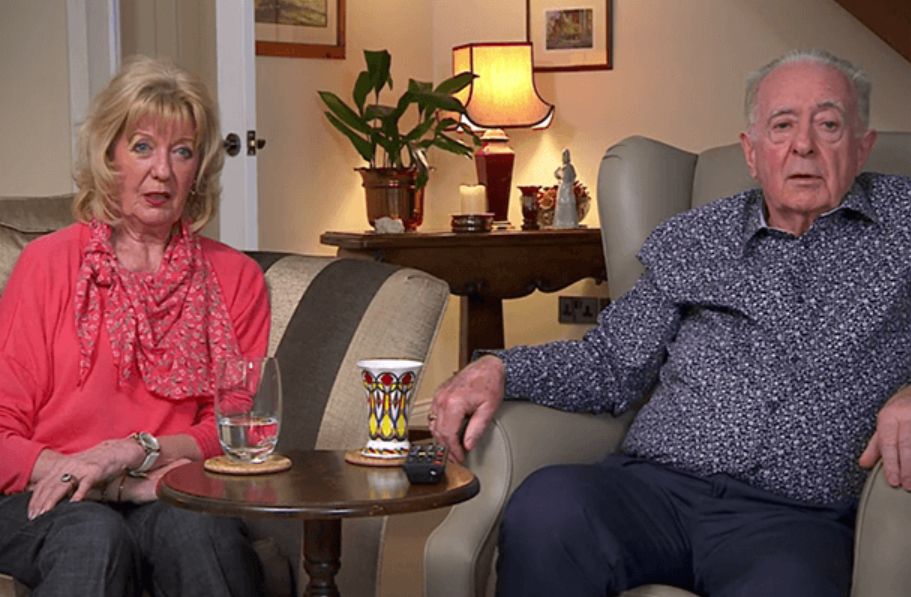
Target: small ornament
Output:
[(565, 213)]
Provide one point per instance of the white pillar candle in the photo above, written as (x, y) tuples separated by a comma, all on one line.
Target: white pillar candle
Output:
[(474, 198)]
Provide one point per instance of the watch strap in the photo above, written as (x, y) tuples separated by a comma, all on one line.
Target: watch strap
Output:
[(149, 443)]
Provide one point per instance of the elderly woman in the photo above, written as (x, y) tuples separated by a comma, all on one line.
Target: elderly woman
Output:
[(109, 331)]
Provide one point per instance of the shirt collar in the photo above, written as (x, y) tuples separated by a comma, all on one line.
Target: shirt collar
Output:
[(856, 200)]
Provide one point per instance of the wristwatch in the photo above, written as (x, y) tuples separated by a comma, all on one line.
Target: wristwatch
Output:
[(149, 443)]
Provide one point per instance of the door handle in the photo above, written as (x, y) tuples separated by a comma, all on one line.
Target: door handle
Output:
[(232, 143)]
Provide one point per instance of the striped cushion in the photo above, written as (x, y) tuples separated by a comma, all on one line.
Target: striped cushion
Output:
[(329, 313)]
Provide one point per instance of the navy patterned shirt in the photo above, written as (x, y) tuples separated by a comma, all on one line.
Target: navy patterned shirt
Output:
[(767, 355)]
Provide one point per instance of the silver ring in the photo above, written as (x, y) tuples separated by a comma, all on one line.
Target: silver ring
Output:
[(67, 478)]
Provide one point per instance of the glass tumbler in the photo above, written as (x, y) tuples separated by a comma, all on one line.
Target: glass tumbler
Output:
[(248, 407)]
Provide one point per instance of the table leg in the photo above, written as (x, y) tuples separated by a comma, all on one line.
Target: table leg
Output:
[(322, 550), (480, 326)]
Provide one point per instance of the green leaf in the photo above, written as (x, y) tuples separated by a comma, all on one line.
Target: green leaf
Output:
[(390, 129), (419, 86), (341, 110), (456, 83), (393, 157), (439, 101), (378, 65), (466, 130), (420, 181), (378, 112), (446, 123), (361, 89), (418, 161), (363, 146), (420, 129), (452, 145)]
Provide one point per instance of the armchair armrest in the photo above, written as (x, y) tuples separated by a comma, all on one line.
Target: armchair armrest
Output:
[(882, 539), (523, 437)]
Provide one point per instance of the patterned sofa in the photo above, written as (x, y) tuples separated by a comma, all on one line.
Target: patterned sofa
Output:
[(327, 314)]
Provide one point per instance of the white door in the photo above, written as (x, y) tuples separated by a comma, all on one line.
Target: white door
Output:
[(214, 39), (94, 54), (238, 223)]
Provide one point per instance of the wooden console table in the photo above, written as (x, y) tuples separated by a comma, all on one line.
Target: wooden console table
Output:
[(485, 268)]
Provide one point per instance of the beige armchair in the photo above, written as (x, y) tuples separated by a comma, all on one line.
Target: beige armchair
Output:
[(641, 182), (327, 313)]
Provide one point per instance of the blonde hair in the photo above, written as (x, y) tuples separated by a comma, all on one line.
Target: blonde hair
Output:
[(146, 88)]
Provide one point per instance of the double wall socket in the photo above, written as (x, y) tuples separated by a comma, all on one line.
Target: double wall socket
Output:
[(580, 309)]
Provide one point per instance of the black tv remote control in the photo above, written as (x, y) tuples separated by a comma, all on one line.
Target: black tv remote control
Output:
[(426, 463)]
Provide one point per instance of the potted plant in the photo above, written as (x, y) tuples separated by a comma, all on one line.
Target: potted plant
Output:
[(398, 168)]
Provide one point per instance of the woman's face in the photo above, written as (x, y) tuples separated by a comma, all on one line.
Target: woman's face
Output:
[(156, 163)]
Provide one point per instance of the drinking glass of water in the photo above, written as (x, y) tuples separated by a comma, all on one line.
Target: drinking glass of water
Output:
[(248, 407)]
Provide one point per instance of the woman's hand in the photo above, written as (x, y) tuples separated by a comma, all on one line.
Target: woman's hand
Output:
[(57, 476)]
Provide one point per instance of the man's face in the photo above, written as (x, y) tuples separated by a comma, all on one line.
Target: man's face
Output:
[(805, 146)]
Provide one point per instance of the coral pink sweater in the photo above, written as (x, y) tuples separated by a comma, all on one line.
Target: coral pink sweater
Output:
[(41, 405)]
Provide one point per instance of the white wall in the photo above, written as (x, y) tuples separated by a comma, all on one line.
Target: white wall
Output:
[(34, 98), (678, 76)]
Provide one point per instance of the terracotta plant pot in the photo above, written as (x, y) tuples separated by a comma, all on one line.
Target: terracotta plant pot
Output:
[(391, 193)]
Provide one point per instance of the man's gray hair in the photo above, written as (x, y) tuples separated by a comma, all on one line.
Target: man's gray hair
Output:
[(858, 79)]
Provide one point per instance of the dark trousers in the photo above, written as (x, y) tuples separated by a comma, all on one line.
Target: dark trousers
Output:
[(601, 529), (94, 549)]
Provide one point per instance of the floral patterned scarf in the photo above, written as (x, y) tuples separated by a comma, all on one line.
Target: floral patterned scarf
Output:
[(171, 324)]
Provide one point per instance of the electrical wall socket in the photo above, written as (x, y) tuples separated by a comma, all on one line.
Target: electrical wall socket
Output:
[(578, 309)]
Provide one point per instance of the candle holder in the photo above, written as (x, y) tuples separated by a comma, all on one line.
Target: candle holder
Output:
[(472, 222)]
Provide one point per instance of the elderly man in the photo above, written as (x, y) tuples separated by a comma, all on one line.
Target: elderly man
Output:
[(771, 329)]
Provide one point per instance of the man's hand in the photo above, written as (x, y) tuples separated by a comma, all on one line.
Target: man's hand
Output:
[(892, 440), (476, 391)]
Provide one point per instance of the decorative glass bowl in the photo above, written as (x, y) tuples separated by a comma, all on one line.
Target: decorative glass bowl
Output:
[(547, 201)]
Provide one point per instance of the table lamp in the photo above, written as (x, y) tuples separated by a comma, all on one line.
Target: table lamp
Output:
[(502, 96)]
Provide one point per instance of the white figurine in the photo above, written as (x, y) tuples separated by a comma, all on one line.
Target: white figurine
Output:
[(565, 212)]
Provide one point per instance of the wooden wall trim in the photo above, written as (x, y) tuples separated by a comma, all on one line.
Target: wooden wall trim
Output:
[(889, 19)]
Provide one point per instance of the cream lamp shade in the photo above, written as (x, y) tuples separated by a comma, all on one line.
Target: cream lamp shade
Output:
[(503, 95)]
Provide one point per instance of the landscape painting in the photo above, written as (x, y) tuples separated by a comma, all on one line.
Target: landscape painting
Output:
[(300, 28), (303, 13)]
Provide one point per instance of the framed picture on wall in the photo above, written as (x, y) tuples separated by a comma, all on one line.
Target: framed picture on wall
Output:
[(570, 34), (300, 28)]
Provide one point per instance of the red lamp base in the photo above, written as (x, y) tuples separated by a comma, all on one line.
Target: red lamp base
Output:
[(494, 162)]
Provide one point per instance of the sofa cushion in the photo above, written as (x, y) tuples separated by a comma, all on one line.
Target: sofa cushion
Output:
[(25, 218)]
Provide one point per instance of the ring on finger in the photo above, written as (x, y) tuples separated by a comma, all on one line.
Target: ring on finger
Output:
[(68, 478)]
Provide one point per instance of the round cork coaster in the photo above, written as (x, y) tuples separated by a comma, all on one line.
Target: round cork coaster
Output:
[(224, 465), (356, 457)]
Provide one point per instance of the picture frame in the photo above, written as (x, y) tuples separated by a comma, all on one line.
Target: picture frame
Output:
[(300, 28), (570, 35)]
